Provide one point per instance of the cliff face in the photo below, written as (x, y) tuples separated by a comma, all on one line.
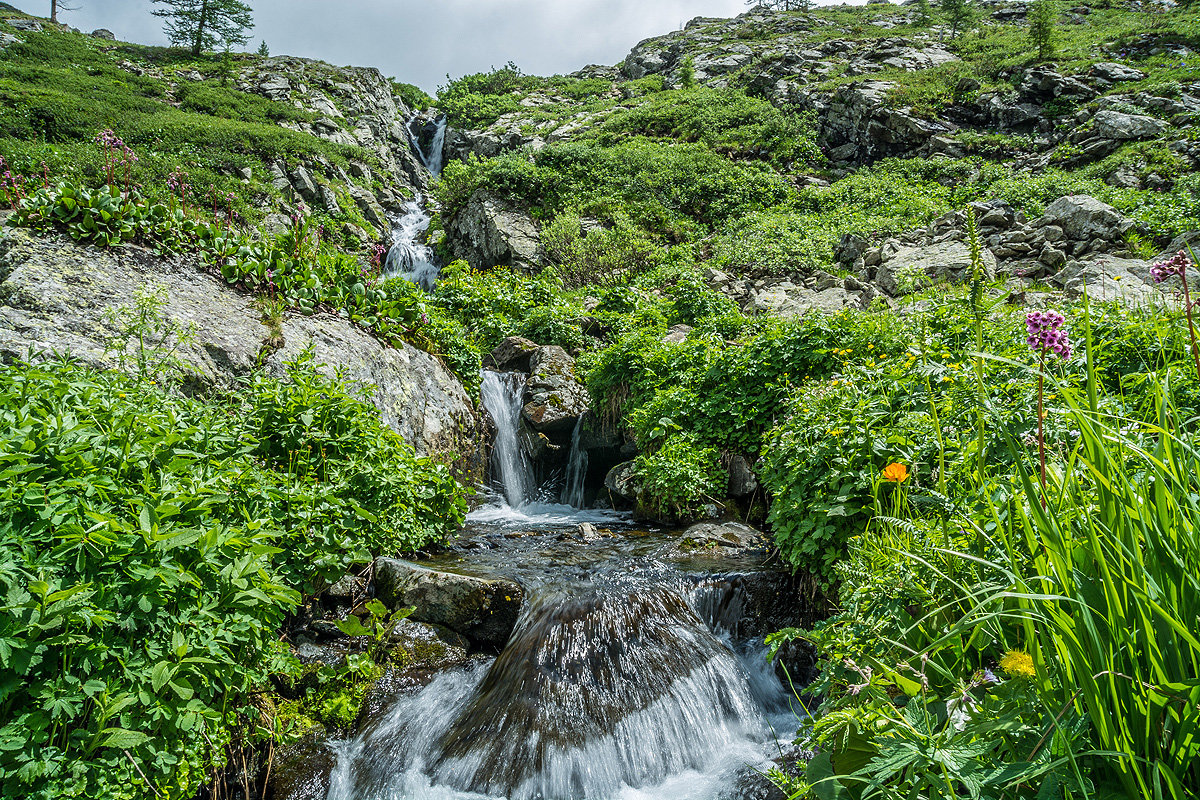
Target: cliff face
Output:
[(56, 297)]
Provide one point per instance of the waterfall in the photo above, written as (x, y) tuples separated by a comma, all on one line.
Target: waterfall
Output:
[(609, 689), (577, 467), (409, 256), (434, 157), (501, 393)]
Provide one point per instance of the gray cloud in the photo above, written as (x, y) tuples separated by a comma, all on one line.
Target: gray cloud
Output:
[(421, 41)]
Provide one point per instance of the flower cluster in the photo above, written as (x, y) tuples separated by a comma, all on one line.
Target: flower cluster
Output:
[(1046, 334), (1173, 267), (10, 184), (116, 154)]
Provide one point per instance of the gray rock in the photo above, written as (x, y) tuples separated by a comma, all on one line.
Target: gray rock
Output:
[(677, 334), (347, 588), (795, 301), (947, 261), (279, 178), (329, 200), (1052, 257), (7, 39), (482, 609), (26, 24), (303, 183), (721, 539), (512, 355), (276, 223), (1115, 125), (621, 483), (105, 34), (488, 232), (1083, 218), (859, 126), (370, 208), (1108, 278), (1115, 73), (554, 398), (54, 294)]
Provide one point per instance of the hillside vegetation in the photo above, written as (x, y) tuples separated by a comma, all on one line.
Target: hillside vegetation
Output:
[(905, 289)]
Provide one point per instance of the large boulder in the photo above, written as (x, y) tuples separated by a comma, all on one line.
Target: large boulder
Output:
[(796, 301), (622, 484), (54, 295), (554, 397), (482, 609), (720, 539), (1111, 124), (947, 261), (1109, 278), (511, 355), (487, 232), (1083, 218)]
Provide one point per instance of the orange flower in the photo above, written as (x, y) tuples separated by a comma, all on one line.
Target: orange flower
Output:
[(895, 473)]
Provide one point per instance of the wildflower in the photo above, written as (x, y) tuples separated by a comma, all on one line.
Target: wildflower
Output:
[(1176, 267), (1018, 664), (1173, 267), (990, 676), (895, 473), (1045, 334)]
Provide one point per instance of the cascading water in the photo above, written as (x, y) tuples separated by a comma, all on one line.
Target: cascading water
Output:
[(611, 687), (433, 157), (518, 500), (577, 467), (501, 395), (409, 256)]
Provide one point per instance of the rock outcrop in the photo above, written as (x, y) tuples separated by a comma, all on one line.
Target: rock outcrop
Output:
[(487, 232), (54, 296), (482, 609), (554, 397)]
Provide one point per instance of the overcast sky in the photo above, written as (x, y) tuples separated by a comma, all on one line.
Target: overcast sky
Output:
[(420, 41)]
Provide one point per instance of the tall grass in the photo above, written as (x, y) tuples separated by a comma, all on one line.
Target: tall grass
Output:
[(1111, 592)]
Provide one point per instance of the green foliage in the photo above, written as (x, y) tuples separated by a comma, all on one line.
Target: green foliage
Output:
[(478, 100), (687, 73), (1042, 15), (601, 256), (960, 14), (152, 545), (412, 96), (677, 479)]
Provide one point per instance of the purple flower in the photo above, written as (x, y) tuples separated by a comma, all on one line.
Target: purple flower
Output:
[(1045, 334), (990, 676), (1173, 267)]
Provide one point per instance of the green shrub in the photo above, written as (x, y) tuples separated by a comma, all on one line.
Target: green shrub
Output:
[(679, 478)]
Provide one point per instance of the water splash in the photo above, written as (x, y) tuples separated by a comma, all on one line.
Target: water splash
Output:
[(409, 256), (603, 692), (434, 156)]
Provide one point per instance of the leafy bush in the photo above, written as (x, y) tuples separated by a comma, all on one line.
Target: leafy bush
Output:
[(679, 478), (151, 548)]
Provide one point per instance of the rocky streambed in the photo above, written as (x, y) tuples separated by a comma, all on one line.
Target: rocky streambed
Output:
[(572, 661)]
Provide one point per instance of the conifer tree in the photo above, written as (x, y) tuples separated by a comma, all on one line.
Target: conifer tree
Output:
[(1041, 28), (959, 13), (205, 24)]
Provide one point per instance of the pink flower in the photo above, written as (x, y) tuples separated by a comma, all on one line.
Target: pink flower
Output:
[(1045, 335)]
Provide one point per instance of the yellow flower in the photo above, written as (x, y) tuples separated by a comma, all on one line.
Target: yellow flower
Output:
[(1018, 664), (895, 473)]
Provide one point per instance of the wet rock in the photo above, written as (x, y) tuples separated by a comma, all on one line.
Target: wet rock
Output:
[(621, 483), (54, 294), (721, 539), (946, 261), (512, 355), (301, 770), (742, 481), (1083, 218), (1115, 125), (487, 232), (554, 398), (483, 610)]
